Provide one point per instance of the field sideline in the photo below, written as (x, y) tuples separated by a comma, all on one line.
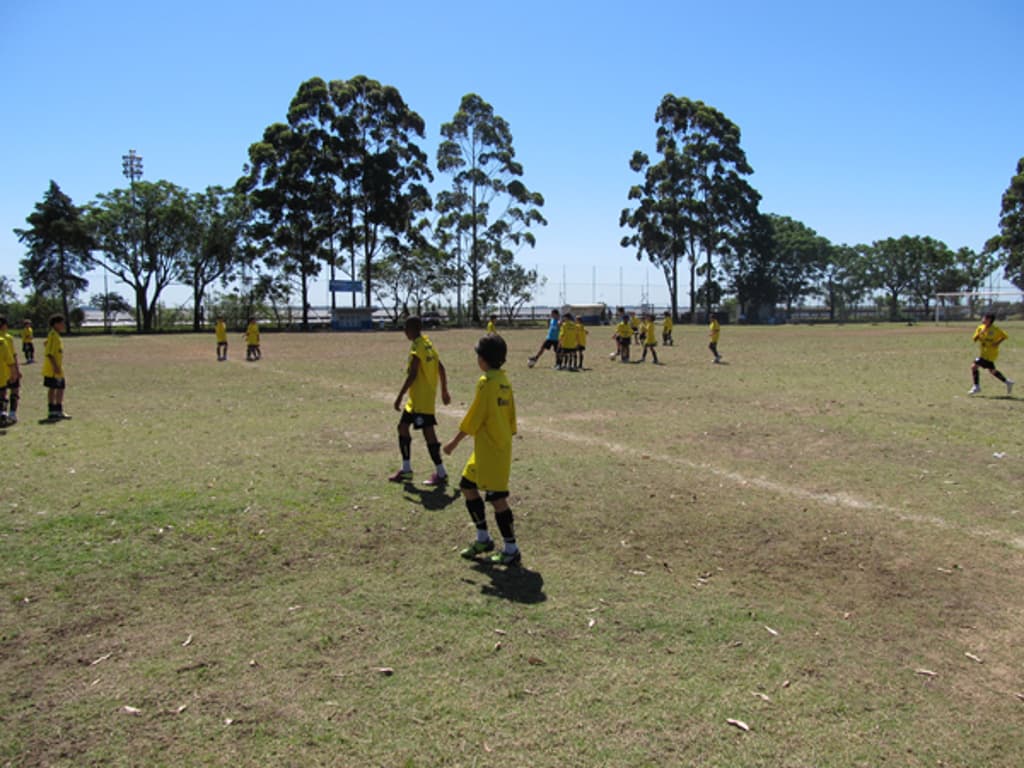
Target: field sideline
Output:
[(821, 540)]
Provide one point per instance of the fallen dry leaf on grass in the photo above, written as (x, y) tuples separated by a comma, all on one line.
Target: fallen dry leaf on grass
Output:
[(772, 632), (738, 724), (131, 710), (188, 641), (972, 657), (104, 657), (386, 671), (926, 672), (761, 696)]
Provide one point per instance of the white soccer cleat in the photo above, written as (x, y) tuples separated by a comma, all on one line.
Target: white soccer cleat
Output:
[(1009, 386), (974, 390)]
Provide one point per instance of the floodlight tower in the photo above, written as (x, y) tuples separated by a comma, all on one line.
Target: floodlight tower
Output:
[(131, 167)]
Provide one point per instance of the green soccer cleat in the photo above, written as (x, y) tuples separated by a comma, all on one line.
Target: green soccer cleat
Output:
[(506, 558), (477, 548)]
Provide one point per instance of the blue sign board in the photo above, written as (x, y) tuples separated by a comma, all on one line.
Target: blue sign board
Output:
[(346, 286)]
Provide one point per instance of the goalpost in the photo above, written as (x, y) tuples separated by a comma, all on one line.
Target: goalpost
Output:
[(948, 306)]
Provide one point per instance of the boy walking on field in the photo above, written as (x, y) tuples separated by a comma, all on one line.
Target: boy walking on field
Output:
[(422, 375), (550, 341), (222, 340), (989, 336), (491, 420), (714, 331)]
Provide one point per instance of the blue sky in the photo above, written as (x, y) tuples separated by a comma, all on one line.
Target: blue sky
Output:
[(863, 120)]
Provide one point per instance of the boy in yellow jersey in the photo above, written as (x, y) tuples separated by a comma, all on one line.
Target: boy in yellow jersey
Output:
[(714, 331), (989, 336), (252, 340), (623, 334), (491, 321), (28, 348), (423, 372), (222, 339), (53, 370), (567, 344), (634, 324), (581, 340), (10, 377), (650, 340), (666, 330), (491, 420)]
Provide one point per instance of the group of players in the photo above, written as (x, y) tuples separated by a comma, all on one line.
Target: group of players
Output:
[(53, 370)]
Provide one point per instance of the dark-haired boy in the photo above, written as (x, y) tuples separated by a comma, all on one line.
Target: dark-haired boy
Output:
[(989, 336), (491, 420), (550, 341), (53, 370), (423, 372)]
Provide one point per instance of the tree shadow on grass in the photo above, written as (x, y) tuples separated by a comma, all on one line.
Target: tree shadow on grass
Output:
[(432, 498), (516, 584)]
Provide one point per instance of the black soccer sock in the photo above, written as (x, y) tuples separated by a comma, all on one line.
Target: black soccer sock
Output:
[(997, 374), (977, 377), (405, 447), (435, 453), (477, 513), (15, 397), (505, 522), (3, 405)]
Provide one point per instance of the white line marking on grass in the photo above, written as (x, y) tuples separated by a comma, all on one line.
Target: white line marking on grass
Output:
[(843, 500)]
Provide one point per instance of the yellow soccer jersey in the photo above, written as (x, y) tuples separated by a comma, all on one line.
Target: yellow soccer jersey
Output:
[(634, 323), (623, 331), (666, 325), (649, 338), (989, 338), (222, 332), (252, 334), (581, 334), (423, 391), (490, 327), (715, 330), (567, 336), (7, 361), (54, 348), (491, 420), (26, 335)]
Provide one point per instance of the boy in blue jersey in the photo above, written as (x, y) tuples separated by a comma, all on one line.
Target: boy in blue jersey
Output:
[(550, 341)]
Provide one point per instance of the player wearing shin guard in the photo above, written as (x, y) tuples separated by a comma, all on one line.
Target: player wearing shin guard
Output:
[(10, 377), (989, 336), (650, 340), (624, 335), (53, 370), (666, 330), (221, 332), (28, 347), (491, 421), (423, 373), (714, 332)]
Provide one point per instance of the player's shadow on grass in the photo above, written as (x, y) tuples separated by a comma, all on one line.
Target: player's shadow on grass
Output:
[(432, 498), (516, 584)]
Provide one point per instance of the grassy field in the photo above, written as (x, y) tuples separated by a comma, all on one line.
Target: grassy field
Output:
[(821, 538)]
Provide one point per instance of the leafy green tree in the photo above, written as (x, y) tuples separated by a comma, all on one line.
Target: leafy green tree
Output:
[(799, 256), (975, 269), (1009, 243), (488, 213), (219, 219), (380, 171), (752, 271), (695, 202), (908, 268), (285, 196), (509, 285), (7, 295), (59, 248), (110, 304), (841, 280), (143, 235)]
